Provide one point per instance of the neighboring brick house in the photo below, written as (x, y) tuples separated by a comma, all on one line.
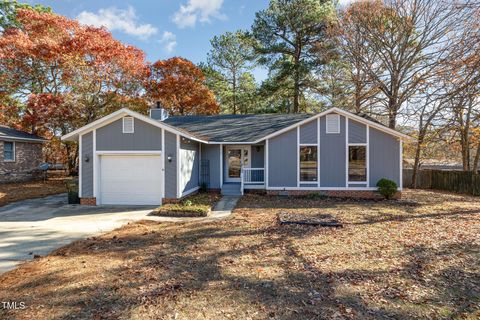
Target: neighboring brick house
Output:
[(20, 155)]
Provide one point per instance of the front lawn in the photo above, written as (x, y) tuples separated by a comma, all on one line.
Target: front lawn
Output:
[(11, 192), (418, 258)]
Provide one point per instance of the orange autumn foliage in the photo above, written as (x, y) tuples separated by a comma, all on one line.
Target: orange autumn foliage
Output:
[(180, 86)]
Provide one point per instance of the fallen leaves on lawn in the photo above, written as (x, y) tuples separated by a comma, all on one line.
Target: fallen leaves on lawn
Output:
[(416, 258)]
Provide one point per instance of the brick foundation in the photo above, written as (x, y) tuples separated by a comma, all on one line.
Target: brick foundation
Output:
[(358, 194), (88, 201)]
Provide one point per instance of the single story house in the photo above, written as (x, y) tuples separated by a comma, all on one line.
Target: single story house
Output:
[(128, 158), (20, 155)]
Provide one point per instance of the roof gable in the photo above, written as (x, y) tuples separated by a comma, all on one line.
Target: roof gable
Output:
[(73, 136)]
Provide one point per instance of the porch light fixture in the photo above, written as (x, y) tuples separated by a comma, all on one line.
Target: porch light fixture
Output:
[(169, 158), (86, 158)]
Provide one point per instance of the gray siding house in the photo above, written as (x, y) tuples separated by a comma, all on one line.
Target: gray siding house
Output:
[(129, 158)]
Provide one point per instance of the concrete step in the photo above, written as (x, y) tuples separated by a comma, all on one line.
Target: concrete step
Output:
[(231, 193), (231, 189)]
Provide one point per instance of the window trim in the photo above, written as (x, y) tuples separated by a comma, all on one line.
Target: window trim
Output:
[(366, 163), (133, 125), (300, 181), (13, 151), (337, 116)]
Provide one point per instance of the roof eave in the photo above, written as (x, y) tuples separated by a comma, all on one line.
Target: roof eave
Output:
[(392, 132), (73, 136), (10, 138)]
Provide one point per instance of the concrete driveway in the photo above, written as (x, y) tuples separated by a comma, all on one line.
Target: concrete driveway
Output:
[(38, 226)]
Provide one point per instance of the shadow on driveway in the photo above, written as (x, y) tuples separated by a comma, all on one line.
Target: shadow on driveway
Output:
[(38, 226)]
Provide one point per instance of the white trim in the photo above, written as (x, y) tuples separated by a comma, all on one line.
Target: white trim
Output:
[(241, 147), (254, 186), (265, 163), (179, 177), (80, 160), (298, 156), (221, 166), (162, 166), (186, 193), (199, 163), (298, 171), (132, 152), (366, 165), (318, 151), (94, 159), (121, 113), (347, 154), (337, 117), (401, 166), (235, 143), (322, 188), (344, 113), (368, 155), (39, 140), (123, 125), (358, 144), (14, 146)]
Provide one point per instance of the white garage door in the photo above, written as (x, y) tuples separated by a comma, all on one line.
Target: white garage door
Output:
[(130, 179)]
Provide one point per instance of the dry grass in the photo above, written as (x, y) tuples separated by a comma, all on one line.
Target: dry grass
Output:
[(11, 192), (413, 259)]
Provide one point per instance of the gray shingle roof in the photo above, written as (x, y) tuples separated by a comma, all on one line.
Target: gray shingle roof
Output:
[(7, 133), (235, 128)]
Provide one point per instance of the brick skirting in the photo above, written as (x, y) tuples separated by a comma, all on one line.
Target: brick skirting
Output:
[(359, 194), (88, 201)]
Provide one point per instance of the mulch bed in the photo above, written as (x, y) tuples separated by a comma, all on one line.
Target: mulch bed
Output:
[(197, 205), (322, 220)]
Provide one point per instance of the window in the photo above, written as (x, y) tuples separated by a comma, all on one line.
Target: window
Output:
[(357, 163), (333, 123), (9, 151), (308, 163), (128, 125)]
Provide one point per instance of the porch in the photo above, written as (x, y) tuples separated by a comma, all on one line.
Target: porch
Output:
[(243, 168)]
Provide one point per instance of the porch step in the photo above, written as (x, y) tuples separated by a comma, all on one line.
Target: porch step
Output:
[(231, 189)]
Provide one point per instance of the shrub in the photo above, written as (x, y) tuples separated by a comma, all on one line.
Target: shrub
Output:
[(387, 188)]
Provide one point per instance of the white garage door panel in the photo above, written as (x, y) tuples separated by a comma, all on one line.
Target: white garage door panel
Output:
[(130, 180)]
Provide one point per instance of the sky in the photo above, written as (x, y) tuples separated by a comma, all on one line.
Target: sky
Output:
[(165, 28)]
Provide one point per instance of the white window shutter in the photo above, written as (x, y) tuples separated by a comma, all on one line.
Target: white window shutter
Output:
[(128, 125), (333, 123)]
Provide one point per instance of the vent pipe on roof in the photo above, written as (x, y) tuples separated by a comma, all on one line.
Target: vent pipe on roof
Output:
[(158, 113)]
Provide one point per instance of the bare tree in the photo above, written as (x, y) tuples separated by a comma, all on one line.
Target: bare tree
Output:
[(406, 40)]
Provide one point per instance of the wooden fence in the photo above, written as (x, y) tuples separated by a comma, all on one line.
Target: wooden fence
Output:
[(456, 181)]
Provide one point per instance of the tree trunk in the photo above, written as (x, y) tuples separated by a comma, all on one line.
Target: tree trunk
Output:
[(234, 89), (296, 79), (358, 105), (476, 160), (392, 112), (416, 165)]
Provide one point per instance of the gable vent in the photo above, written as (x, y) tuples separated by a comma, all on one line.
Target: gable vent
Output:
[(128, 125), (333, 123)]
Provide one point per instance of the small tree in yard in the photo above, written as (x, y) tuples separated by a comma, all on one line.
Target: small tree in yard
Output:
[(387, 188)]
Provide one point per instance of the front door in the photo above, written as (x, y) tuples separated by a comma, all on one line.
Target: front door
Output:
[(237, 157)]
